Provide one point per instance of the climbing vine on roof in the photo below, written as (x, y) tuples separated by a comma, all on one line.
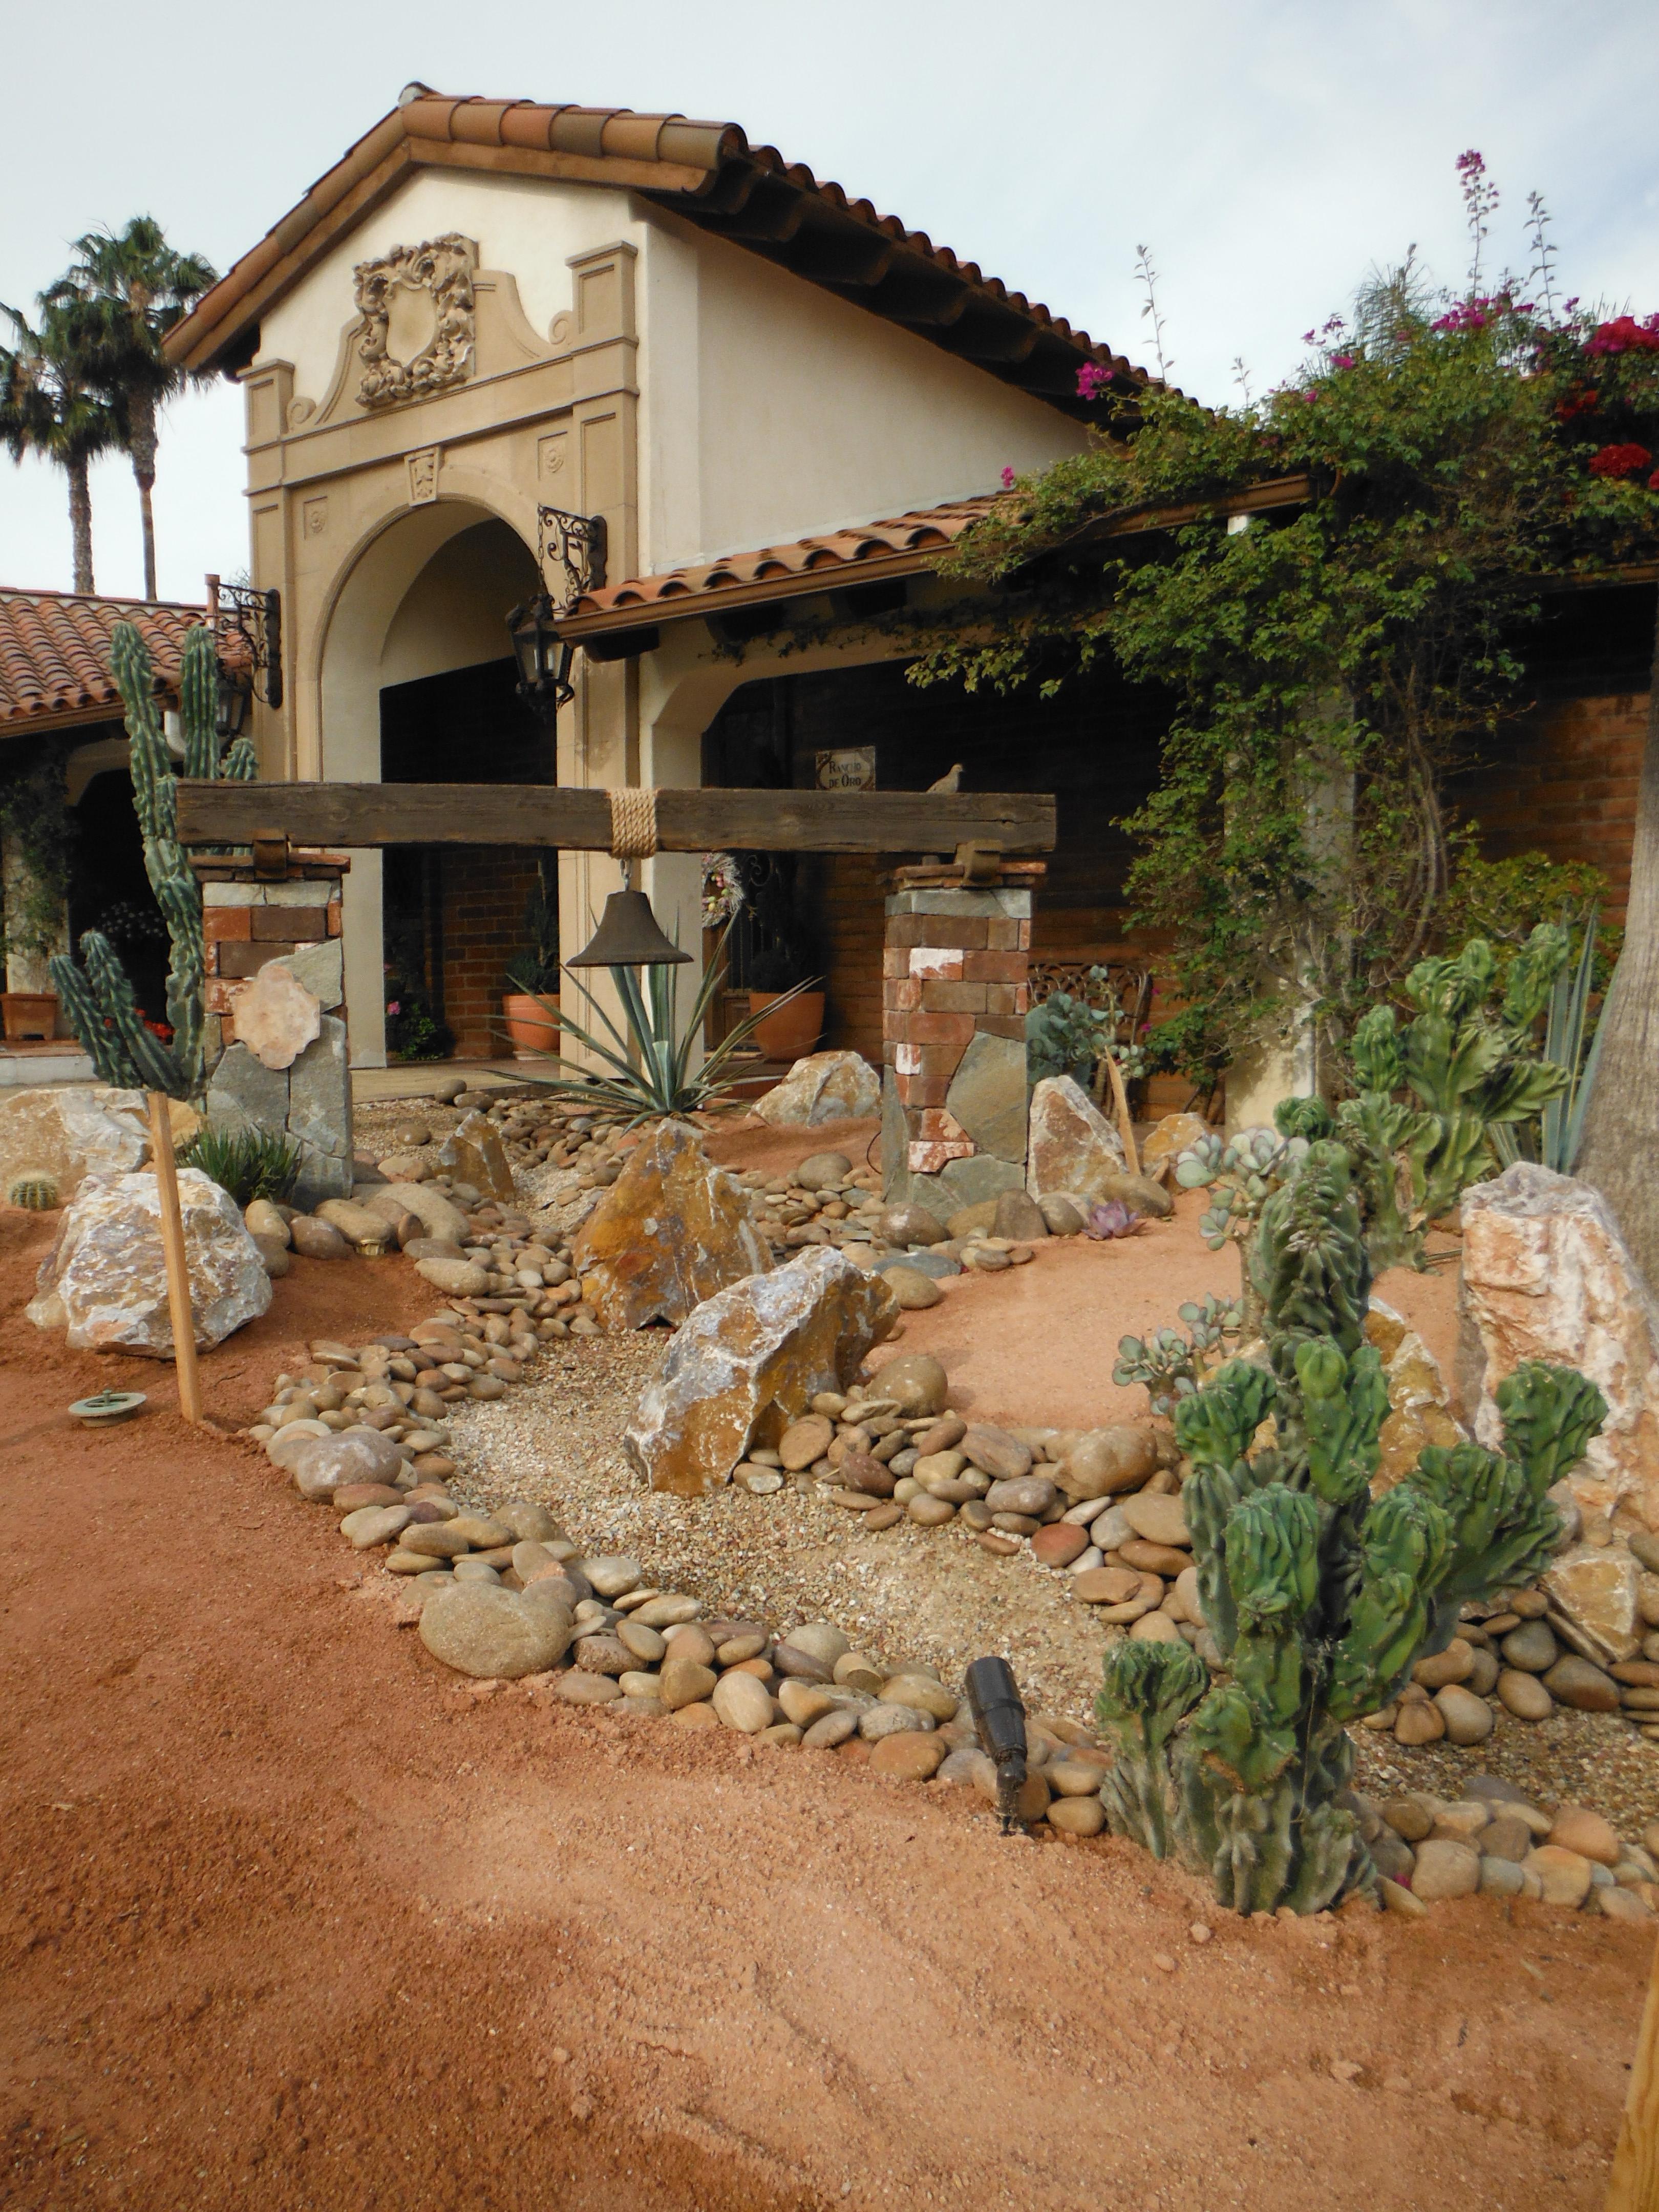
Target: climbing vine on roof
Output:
[(1331, 658)]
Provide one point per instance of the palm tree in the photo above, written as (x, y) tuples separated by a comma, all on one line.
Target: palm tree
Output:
[(134, 287), (49, 407)]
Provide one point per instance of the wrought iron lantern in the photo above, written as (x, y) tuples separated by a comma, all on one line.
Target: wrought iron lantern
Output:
[(543, 656), (577, 543), (231, 712)]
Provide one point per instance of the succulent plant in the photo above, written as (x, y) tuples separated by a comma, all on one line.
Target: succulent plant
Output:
[(1320, 1601), (1110, 1218), (1469, 1071), (35, 1193), (1244, 1171), (1171, 1365), (98, 997)]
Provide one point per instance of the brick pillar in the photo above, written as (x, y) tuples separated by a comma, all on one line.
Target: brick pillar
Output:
[(954, 996)]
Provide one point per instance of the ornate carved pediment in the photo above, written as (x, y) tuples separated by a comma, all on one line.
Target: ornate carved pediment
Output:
[(439, 272)]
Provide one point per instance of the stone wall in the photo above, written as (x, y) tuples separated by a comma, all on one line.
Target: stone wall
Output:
[(289, 1075), (953, 1036)]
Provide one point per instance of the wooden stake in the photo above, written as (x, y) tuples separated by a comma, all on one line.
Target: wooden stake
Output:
[(1126, 1127), (173, 1244), (1634, 2186)]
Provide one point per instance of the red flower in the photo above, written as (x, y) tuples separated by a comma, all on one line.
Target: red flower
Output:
[(1653, 481), (1625, 335), (1620, 461)]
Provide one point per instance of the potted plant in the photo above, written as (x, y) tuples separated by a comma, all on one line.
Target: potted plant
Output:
[(791, 1032), (531, 1009)]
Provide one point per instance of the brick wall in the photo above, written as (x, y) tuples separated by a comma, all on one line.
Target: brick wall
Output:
[(1564, 783), (849, 890), (485, 890)]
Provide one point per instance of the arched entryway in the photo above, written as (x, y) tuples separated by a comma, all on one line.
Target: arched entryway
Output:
[(416, 683)]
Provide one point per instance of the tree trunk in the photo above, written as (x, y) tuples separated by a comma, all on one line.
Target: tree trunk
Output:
[(141, 444), (80, 498), (1621, 1125)]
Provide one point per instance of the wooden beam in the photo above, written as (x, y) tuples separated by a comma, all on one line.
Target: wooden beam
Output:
[(537, 814)]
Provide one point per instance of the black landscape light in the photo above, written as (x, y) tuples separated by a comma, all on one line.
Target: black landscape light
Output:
[(1000, 1717)]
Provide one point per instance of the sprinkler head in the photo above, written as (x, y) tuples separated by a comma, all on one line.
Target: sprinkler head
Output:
[(993, 1699)]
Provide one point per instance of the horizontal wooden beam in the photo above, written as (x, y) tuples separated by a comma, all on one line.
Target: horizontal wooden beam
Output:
[(538, 814)]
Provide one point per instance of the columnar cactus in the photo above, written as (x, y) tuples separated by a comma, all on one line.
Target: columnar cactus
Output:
[(1320, 1601), (99, 998), (1469, 1071)]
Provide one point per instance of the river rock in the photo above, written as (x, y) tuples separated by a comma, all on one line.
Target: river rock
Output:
[(1061, 1217), (456, 1278), (997, 1454), (909, 1224), (321, 1465), (749, 1361), (922, 1692), (915, 1382), (1077, 1816), (1142, 1194), (876, 1722), (821, 1172), (907, 1757), (1031, 1494), (686, 1682), (439, 1216), (1566, 1875), (360, 1225), (1532, 1647), (1073, 1146), (914, 1290), (744, 1703), (72, 1130), (1104, 1462), (1575, 1828), (672, 1230), (804, 1442), (105, 1277), (1578, 1683), (1156, 1519), (317, 1240), (474, 1155), (1546, 1275), (825, 1086), (1445, 1869), (482, 1630), (1524, 1696), (265, 1220), (1057, 1547), (1468, 1719)]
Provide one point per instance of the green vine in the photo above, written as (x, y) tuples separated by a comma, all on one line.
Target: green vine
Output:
[(35, 822), (1436, 465)]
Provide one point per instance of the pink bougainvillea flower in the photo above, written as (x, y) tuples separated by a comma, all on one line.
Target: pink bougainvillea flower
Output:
[(1625, 335), (394, 1006), (1653, 481), (1007, 479), (1621, 461), (1092, 379), (1343, 361)]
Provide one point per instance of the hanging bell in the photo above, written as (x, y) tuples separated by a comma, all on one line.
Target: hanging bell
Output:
[(628, 937)]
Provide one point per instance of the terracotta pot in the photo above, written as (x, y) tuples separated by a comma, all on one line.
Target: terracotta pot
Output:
[(790, 1033), (531, 1023), (28, 1015)]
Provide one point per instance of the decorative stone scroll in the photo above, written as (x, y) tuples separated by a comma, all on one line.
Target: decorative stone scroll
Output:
[(442, 267)]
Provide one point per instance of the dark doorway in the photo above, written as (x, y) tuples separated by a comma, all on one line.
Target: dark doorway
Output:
[(110, 891)]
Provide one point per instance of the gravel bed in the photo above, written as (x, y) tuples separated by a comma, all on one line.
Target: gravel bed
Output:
[(908, 1593), (1570, 1758)]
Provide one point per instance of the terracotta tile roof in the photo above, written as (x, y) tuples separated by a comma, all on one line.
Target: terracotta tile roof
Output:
[(706, 173), (54, 653), (903, 545)]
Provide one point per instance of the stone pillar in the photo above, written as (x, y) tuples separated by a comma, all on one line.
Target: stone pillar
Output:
[(252, 922), (954, 996)]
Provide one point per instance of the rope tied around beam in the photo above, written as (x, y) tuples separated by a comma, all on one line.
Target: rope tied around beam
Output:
[(633, 822)]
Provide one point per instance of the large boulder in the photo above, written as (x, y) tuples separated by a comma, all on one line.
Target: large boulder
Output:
[(987, 1094), (825, 1086), (76, 1129), (495, 1634), (476, 1155), (1419, 1405), (749, 1361), (671, 1232), (105, 1277), (1546, 1276), (1073, 1148)]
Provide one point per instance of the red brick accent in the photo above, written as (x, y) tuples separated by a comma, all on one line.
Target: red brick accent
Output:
[(1000, 967), (218, 995), (968, 931), (1566, 785), (244, 960), (219, 923), (942, 998), (334, 918)]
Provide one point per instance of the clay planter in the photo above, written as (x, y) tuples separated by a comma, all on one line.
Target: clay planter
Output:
[(790, 1033), (28, 1015), (532, 1023)]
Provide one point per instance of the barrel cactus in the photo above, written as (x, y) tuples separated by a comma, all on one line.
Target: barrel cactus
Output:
[(35, 1193), (1320, 1599), (98, 996)]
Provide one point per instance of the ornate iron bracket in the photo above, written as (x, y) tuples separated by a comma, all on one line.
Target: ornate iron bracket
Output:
[(255, 616), (577, 543)]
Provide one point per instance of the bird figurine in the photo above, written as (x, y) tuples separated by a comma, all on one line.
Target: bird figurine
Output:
[(951, 780)]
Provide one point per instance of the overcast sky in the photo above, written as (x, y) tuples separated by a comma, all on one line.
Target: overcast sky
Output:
[(1268, 151)]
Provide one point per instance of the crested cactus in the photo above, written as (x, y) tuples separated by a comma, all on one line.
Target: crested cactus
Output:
[(35, 1193), (1469, 1072), (98, 997), (1320, 1600)]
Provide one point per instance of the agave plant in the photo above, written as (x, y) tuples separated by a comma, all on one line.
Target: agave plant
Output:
[(649, 1061), (1572, 1042)]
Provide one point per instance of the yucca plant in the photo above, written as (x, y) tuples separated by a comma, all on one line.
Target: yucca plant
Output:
[(249, 1163), (650, 1059), (1572, 1045)]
